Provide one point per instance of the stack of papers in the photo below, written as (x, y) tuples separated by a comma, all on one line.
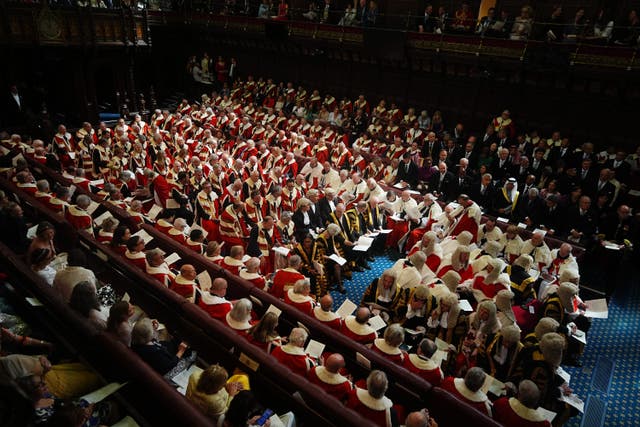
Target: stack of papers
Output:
[(281, 250)]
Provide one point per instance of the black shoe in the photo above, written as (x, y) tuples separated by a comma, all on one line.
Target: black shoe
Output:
[(366, 266), (370, 259), (358, 269)]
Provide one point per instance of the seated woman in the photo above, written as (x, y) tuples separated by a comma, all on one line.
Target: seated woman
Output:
[(384, 294), (121, 235), (135, 252), (118, 321), (389, 346), (213, 252), (239, 318), (211, 391), (85, 301), (299, 297), (264, 334), (107, 228), (50, 410), (45, 233), (40, 262), (156, 354)]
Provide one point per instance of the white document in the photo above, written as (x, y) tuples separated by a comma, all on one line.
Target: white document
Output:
[(597, 309), (377, 323), (363, 361), (397, 218), (182, 378), (384, 231), (365, 241), (154, 212), (72, 154), (97, 182), (441, 344), (547, 414), (246, 258), (102, 393), (146, 237), (92, 207), (338, 259), (465, 305), (31, 233), (574, 401), (172, 259), (314, 349), (400, 185), (439, 356), (281, 250), (98, 221), (504, 220), (494, 386), (346, 309), (128, 421), (566, 376), (360, 248), (374, 234), (126, 297), (204, 279), (522, 225), (612, 246), (273, 309)]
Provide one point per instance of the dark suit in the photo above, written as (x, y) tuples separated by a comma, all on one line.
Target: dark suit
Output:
[(537, 171), (432, 151), (558, 154), (552, 219), (428, 22), (594, 189), (14, 113), (324, 210), (622, 171), (408, 173), (484, 198), (585, 223), (472, 157), (446, 186), (302, 229), (500, 173), (529, 208), (463, 183)]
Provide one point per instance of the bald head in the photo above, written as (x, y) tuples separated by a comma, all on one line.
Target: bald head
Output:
[(334, 363), (326, 303), (417, 419), (362, 315)]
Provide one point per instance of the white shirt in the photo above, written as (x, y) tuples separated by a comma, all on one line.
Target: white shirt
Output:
[(17, 98)]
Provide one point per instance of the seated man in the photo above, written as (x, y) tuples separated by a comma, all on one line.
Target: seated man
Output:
[(184, 284), (252, 273), (372, 403), (389, 346), (158, 268), (357, 328), (538, 250), (78, 216), (468, 389), (214, 301), (299, 297), (233, 262), (135, 252), (292, 354), (522, 410), (329, 379), (421, 364), (324, 314), (177, 232), (285, 278)]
